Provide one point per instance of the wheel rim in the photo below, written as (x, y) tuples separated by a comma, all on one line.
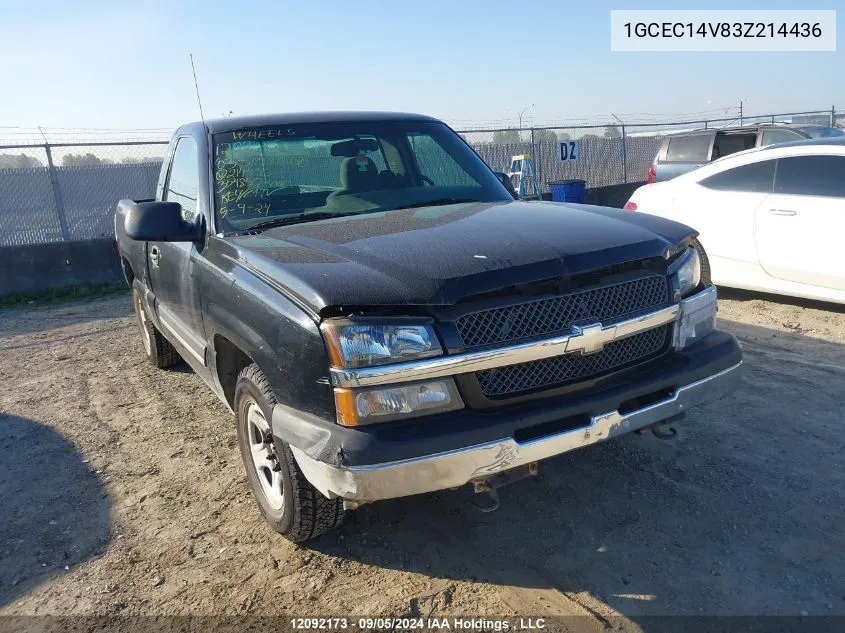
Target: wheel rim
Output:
[(142, 324), (264, 459)]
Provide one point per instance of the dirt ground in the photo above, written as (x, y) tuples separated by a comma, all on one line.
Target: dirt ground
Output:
[(122, 492)]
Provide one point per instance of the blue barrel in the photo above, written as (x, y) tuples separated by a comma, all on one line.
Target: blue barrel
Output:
[(568, 190)]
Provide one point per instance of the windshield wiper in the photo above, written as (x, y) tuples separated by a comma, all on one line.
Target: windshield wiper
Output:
[(297, 218), (437, 202)]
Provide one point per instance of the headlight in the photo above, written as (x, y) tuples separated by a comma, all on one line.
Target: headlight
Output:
[(688, 270), (366, 406), (365, 344), (697, 318), (352, 344)]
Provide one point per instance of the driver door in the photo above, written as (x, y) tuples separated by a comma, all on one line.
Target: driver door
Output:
[(171, 264)]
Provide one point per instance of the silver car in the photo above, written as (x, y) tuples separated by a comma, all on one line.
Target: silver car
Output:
[(685, 151)]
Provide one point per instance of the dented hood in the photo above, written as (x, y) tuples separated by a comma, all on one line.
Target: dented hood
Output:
[(437, 255)]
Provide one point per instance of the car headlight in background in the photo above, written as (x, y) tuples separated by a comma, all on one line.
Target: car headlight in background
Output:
[(366, 344), (366, 406), (687, 268)]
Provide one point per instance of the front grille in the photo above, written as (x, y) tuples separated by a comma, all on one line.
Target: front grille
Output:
[(541, 317), (560, 370)]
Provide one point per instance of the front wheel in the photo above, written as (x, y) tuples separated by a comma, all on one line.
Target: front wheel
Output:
[(289, 503), (705, 263)]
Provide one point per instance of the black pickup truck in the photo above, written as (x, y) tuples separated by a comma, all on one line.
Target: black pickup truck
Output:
[(384, 319)]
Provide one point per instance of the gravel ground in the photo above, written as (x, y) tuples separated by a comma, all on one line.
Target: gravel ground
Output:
[(122, 492)]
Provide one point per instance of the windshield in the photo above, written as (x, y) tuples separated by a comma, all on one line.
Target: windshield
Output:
[(821, 132), (268, 174)]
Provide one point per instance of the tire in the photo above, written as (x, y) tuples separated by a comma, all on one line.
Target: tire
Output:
[(705, 263), (289, 503), (158, 349)]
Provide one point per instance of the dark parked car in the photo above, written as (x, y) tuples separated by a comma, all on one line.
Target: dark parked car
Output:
[(384, 319), (685, 151)]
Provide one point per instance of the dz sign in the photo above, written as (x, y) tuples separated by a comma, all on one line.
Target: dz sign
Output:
[(569, 151)]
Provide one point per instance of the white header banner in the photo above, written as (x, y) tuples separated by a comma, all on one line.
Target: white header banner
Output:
[(723, 30)]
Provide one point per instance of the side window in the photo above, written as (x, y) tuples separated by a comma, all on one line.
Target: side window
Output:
[(183, 179), (778, 136), (688, 149), (756, 177), (727, 144), (811, 176)]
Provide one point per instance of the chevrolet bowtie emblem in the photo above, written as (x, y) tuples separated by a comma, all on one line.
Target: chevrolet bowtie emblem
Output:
[(589, 339)]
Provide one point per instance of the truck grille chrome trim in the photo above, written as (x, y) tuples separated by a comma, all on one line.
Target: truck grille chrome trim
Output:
[(583, 340)]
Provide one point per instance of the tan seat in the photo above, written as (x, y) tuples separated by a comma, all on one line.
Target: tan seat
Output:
[(357, 174)]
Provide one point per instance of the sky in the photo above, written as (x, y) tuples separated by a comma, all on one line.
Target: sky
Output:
[(120, 64)]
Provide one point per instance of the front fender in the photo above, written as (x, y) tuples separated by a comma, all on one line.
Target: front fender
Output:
[(276, 333)]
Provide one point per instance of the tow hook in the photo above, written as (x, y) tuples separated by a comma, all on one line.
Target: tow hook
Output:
[(492, 500), (489, 486)]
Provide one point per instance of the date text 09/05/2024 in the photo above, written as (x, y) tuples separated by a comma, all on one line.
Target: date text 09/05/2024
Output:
[(418, 624)]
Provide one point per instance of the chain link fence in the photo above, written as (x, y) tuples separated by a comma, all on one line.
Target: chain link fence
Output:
[(607, 154), (68, 191), (52, 193)]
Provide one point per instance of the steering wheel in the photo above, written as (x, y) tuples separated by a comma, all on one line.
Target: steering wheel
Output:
[(427, 180)]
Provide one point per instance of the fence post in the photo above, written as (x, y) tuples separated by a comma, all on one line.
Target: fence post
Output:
[(57, 196), (833, 116), (536, 159), (587, 176), (624, 155)]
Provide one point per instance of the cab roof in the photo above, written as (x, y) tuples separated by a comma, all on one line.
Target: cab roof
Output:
[(228, 124)]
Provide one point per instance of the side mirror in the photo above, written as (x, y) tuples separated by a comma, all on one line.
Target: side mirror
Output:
[(161, 222), (506, 181)]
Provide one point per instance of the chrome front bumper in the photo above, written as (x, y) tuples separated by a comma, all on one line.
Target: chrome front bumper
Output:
[(456, 468)]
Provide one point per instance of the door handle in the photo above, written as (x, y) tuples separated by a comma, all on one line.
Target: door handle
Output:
[(155, 256), (783, 212)]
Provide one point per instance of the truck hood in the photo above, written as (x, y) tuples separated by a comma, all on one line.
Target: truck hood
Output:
[(437, 255)]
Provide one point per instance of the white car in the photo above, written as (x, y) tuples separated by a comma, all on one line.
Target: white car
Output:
[(770, 219)]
